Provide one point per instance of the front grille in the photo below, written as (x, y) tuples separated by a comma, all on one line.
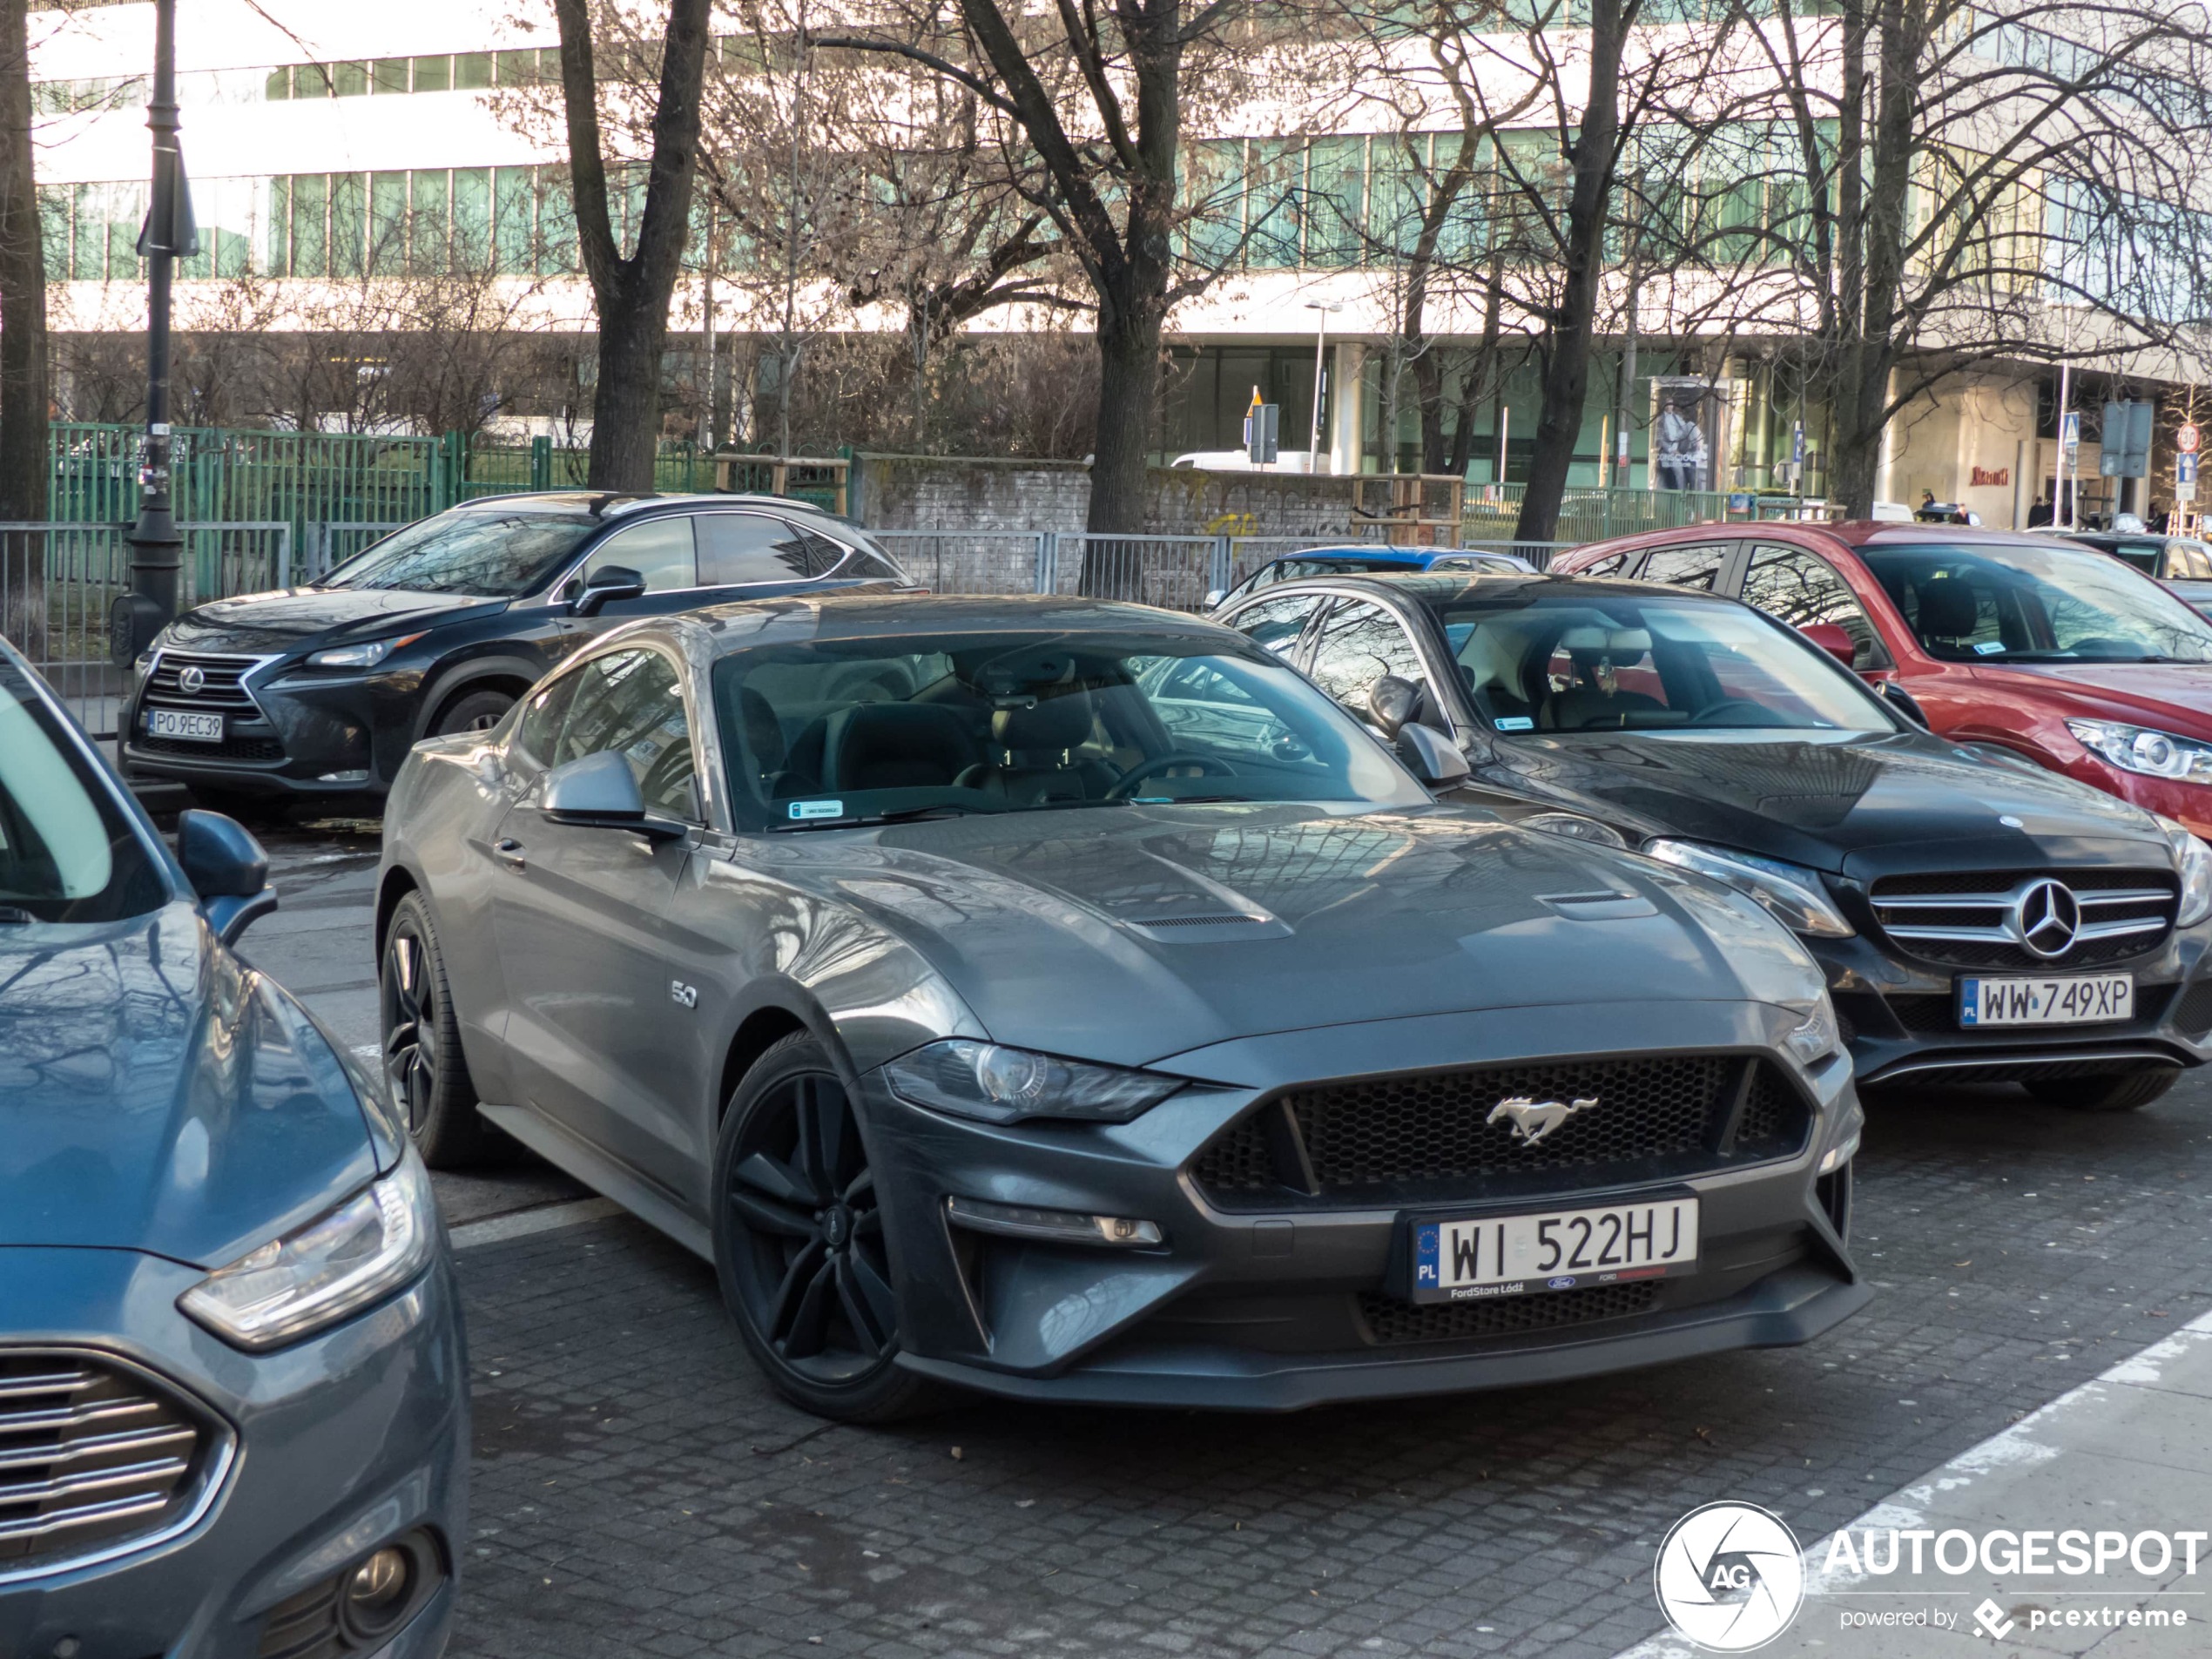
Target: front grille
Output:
[(228, 749), (1965, 919), (1391, 1321), (92, 1455), (1409, 1136), (2194, 1017), (223, 689)]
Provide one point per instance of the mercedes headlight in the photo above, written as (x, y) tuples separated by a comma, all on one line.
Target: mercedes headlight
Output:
[(374, 1244), (1001, 1085), (1573, 826), (1792, 894), (2136, 748), (2193, 863), (365, 655)]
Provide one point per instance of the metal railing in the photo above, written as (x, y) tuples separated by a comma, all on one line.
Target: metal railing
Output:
[(58, 582), (972, 561), (1175, 572)]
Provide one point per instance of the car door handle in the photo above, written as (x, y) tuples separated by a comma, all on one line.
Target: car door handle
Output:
[(508, 851)]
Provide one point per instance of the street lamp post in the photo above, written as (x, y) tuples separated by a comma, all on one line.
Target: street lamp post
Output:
[(1320, 334), (169, 234)]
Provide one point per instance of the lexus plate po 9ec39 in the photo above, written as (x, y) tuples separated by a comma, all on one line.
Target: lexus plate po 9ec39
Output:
[(1066, 1000)]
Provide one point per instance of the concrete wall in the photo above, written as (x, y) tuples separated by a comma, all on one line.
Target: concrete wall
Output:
[(1969, 425), (964, 493)]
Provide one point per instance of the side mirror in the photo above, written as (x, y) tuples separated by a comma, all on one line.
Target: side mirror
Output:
[(1831, 638), (608, 582), (1214, 596), (1390, 703), (1434, 758), (1900, 699), (227, 869), (600, 791)]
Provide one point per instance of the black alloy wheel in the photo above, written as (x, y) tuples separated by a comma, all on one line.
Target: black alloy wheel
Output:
[(799, 1243), (423, 1057), (472, 712)]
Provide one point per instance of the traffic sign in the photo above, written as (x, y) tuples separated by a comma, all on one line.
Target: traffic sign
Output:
[(2187, 439), (2185, 468), (2070, 434)]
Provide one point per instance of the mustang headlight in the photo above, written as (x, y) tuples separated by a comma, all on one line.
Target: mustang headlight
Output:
[(2136, 748), (1002, 1085), (1816, 1036), (1791, 894), (376, 1242), (2193, 863), (365, 655)]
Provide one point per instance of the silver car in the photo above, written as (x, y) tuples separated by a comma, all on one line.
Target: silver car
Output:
[(1068, 1001)]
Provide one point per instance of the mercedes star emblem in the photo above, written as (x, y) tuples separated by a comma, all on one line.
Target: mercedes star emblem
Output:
[(1534, 1119), (192, 680), (2046, 918)]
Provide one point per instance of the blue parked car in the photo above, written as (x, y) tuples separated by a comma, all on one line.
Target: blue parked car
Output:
[(234, 1392), (1357, 560)]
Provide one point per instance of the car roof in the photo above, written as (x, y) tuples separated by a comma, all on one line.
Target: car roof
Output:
[(1441, 588), (608, 503), (856, 613), (1413, 555)]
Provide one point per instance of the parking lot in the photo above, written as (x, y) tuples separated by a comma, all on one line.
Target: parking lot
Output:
[(638, 1490)]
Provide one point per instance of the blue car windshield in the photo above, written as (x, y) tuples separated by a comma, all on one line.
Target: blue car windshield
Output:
[(67, 852), (473, 550), (841, 732)]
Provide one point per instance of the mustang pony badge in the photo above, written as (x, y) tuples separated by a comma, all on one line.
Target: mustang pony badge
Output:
[(1534, 1119)]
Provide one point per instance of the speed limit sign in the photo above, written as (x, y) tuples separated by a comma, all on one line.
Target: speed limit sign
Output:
[(2187, 439)]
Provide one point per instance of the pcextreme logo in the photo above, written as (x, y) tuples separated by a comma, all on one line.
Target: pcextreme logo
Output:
[(1730, 1577)]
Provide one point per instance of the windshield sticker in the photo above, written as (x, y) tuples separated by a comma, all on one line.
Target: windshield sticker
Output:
[(805, 809), (1989, 647), (1515, 722)]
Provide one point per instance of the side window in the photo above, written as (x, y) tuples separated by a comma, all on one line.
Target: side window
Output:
[(660, 550), (1798, 588), (632, 703), (1687, 567), (2189, 562), (531, 747), (1277, 623), (1609, 565), (1359, 643), (738, 550)]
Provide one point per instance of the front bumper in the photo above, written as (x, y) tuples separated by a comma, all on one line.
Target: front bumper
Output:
[(340, 1444), (309, 734), (1275, 1307), (1900, 1019)]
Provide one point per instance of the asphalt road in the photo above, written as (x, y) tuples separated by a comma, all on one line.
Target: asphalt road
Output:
[(638, 1491)]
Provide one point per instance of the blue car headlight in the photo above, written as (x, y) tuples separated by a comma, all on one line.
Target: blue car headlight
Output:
[(1002, 1085), (347, 1259)]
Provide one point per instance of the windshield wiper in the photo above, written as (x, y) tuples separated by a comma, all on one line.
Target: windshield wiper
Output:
[(1188, 800), (897, 815)]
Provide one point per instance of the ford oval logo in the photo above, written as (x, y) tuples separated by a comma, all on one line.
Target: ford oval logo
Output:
[(1559, 1284), (192, 680)]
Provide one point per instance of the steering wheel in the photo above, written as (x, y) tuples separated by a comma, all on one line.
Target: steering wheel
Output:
[(1144, 769), (1714, 714)]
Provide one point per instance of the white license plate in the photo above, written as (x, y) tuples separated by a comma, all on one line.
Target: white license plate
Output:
[(2077, 998), (1462, 1261), (175, 723)]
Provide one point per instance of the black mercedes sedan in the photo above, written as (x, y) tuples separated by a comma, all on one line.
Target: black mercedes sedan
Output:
[(1064, 1000), (317, 692), (1978, 919)]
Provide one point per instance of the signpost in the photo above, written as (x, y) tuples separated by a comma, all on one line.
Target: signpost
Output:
[(2069, 465), (1262, 430), (2185, 474), (2187, 439)]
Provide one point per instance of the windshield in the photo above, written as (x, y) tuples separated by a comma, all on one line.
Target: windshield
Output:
[(1562, 663), (852, 730), (67, 853), (467, 551), (2036, 604)]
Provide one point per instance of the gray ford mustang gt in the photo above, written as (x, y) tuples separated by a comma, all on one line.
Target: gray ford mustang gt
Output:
[(1065, 1000)]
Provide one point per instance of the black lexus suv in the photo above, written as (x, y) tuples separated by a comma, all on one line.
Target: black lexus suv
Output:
[(319, 690)]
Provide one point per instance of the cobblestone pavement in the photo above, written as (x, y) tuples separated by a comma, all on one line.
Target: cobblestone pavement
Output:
[(638, 1491)]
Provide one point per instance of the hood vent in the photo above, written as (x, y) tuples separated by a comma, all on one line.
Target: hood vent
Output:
[(1206, 927)]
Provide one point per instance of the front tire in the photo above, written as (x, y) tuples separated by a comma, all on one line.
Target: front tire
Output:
[(472, 712), (799, 1241), (2121, 1094), (423, 1057)]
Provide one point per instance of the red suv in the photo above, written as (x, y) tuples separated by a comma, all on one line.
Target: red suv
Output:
[(2056, 652)]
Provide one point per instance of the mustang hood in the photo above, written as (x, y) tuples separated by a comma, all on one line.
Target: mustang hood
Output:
[(155, 1095), (1819, 803), (1128, 934), (282, 620)]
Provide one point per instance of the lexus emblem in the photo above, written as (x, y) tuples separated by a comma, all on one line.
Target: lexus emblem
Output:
[(192, 680), (2046, 918), (1532, 1120)]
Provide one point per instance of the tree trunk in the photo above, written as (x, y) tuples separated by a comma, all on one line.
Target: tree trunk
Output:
[(1129, 384), (1428, 395), (1567, 366), (23, 462), (625, 403)]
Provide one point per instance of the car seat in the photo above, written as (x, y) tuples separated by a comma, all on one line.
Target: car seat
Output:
[(1037, 737), (1949, 614), (1586, 706)]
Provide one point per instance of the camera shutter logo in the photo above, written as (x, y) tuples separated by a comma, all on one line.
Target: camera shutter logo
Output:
[(1730, 1577)]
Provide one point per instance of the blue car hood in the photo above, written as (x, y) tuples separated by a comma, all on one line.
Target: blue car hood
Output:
[(158, 1095)]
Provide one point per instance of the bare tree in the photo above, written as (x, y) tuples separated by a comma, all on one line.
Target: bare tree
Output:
[(24, 464)]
